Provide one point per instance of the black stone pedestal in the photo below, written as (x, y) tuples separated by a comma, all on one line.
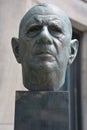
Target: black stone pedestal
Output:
[(42, 111)]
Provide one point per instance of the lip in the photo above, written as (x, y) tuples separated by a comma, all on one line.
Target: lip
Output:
[(43, 53), (44, 56)]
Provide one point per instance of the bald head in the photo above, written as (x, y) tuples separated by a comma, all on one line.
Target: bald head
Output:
[(47, 10)]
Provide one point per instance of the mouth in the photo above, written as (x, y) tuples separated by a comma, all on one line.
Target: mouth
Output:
[(43, 53), (44, 56)]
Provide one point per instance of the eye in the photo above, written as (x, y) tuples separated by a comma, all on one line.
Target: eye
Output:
[(34, 28), (54, 29), (32, 31)]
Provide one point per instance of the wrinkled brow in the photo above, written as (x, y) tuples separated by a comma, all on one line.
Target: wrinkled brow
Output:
[(43, 19)]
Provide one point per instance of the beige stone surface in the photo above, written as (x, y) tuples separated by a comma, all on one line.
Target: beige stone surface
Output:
[(6, 127)]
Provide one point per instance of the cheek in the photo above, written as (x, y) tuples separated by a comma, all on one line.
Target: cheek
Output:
[(65, 54), (25, 49), (63, 57)]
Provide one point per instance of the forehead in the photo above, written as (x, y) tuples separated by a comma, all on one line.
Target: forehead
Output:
[(45, 13), (44, 19)]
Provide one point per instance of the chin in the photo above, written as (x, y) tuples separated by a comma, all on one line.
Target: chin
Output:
[(45, 66)]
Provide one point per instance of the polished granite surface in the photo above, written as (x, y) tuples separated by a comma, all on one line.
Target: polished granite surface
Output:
[(42, 110)]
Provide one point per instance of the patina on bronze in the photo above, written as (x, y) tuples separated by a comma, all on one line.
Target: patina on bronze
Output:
[(45, 47)]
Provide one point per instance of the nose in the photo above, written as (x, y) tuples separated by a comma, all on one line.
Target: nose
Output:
[(45, 36)]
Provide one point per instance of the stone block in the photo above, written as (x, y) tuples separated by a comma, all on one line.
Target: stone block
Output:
[(42, 110)]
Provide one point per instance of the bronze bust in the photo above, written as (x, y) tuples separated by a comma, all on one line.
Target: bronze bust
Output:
[(45, 47)]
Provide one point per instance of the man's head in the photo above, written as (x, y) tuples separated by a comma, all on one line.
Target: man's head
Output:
[(44, 47)]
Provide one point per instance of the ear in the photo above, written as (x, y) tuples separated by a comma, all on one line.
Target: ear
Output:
[(74, 49), (15, 47)]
